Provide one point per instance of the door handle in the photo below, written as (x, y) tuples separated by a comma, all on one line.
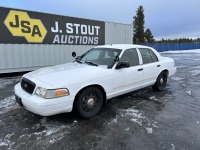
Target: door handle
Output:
[(158, 65), (140, 69)]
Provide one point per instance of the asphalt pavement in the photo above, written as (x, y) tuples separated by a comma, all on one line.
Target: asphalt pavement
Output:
[(140, 120)]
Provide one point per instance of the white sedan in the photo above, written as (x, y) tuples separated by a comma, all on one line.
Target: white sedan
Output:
[(86, 84)]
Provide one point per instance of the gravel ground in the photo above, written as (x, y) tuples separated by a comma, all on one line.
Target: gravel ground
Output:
[(140, 120)]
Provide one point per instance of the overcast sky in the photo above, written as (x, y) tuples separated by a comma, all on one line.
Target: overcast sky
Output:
[(165, 18)]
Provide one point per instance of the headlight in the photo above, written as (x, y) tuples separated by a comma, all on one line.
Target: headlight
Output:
[(42, 92)]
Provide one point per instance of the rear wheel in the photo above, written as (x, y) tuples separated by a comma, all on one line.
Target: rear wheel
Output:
[(89, 102), (161, 82)]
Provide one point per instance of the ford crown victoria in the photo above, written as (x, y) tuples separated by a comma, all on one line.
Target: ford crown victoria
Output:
[(87, 83)]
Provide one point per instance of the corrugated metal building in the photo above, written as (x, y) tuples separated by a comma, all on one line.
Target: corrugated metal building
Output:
[(17, 55)]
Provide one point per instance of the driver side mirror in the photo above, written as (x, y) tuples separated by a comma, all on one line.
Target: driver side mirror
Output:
[(73, 54), (122, 64)]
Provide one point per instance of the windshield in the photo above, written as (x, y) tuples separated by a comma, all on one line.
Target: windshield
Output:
[(101, 56)]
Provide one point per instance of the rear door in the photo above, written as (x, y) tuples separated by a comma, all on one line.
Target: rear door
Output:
[(150, 65)]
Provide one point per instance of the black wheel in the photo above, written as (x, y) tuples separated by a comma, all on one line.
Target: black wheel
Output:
[(89, 102), (161, 82)]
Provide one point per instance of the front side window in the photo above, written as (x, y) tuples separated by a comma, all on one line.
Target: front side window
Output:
[(130, 56), (148, 56), (101, 56)]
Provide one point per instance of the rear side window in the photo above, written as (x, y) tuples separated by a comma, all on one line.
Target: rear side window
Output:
[(153, 56), (148, 56)]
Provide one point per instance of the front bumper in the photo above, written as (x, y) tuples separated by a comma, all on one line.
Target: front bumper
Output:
[(41, 106)]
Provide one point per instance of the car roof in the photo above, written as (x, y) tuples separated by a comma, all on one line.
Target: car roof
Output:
[(122, 46)]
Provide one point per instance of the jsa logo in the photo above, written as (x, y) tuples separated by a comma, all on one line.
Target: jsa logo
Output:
[(20, 24)]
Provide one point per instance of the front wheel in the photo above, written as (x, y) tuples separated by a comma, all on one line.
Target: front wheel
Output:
[(161, 82), (89, 102)]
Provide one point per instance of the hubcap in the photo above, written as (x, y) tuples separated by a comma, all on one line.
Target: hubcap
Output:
[(161, 81), (90, 102)]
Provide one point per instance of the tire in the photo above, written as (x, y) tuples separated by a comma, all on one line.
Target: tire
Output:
[(161, 82), (89, 102)]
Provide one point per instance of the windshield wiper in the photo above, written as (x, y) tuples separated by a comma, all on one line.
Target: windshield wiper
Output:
[(91, 63)]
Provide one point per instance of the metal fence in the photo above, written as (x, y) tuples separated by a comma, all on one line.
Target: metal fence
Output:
[(160, 47)]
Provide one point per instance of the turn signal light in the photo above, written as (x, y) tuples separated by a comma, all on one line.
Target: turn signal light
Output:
[(61, 92)]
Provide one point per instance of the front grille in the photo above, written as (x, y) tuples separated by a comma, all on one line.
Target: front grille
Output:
[(27, 85)]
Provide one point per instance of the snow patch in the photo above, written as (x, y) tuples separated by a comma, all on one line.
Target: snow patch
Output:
[(184, 85), (196, 67), (196, 59), (52, 141), (8, 104), (7, 81), (184, 51), (137, 116), (28, 135), (131, 111), (127, 129), (176, 78), (55, 140), (153, 98), (189, 93), (154, 125), (173, 147), (52, 127), (149, 130), (6, 141), (37, 126), (179, 67), (3, 143), (37, 133), (195, 72), (4, 83), (137, 121), (114, 120)]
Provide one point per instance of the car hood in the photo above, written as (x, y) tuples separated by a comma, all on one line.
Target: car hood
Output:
[(68, 73)]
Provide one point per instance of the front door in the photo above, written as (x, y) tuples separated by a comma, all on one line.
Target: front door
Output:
[(131, 78)]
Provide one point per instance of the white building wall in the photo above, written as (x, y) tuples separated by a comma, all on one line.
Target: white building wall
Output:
[(26, 57)]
